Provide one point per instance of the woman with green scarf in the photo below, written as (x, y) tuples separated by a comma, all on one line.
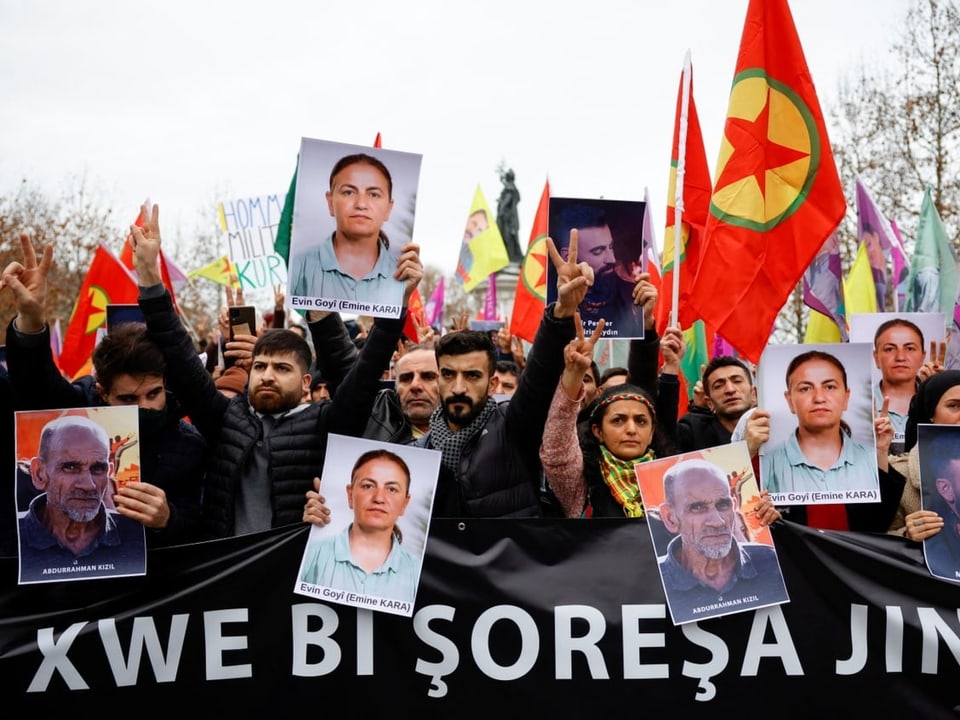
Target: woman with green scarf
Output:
[(594, 476)]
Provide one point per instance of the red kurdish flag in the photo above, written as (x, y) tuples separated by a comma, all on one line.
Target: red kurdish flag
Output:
[(415, 306), (531, 293), (777, 195), (692, 170), (414, 315), (107, 282)]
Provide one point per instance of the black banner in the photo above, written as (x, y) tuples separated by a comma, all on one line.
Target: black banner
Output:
[(553, 617)]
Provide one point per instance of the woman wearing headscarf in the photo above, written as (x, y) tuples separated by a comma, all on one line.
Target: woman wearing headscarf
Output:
[(937, 401)]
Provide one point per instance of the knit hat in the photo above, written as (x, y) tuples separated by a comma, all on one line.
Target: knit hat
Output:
[(233, 378)]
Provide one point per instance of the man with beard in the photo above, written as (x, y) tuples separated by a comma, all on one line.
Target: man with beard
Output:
[(611, 296), (490, 463), (129, 369), (68, 525), (705, 566), (267, 446)]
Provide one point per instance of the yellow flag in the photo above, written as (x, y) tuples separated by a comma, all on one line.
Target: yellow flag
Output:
[(859, 291), (483, 251), (221, 271), (821, 329)]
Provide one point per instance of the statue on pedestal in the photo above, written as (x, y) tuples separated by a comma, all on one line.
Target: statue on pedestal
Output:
[(507, 218)]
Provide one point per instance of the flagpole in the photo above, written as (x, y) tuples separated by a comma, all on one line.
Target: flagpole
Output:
[(649, 238), (678, 189)]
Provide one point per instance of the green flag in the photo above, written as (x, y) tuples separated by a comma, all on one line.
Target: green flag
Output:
[(933, 278), (696, 356), (281, 245)]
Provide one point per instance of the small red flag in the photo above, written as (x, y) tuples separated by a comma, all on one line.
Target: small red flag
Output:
[(415, 306), (414, 312), (531, 294)]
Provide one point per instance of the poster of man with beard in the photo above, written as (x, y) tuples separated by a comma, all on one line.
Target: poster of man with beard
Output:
[(610, 241), (715, 557), (67, 471)]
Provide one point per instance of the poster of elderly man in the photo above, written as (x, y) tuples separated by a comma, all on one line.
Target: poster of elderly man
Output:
[(709, 526), (68, 464)]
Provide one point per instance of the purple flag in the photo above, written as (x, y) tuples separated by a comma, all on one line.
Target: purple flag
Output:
[(722, 347), (876, 232), (901, 269), (822, 286), (490, 301), (56, 340), (433, 312)]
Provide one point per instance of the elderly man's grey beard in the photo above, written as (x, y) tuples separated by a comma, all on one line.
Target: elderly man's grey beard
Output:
[(715, 552)]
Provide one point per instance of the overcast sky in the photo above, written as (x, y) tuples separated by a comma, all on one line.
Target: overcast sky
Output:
[(194, 102)]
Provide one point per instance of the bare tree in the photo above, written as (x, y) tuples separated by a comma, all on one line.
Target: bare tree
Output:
[(896, 125), (76, 223), (899, 128), (73, 222)]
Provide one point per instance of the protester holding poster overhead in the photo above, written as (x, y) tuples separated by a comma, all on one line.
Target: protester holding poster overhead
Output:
[(355, 266), (266, 445)]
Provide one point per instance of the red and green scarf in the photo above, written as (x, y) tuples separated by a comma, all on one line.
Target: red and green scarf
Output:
[(621, 478)]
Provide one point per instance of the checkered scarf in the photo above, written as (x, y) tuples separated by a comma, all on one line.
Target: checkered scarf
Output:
[(621, 479), (451, 443)]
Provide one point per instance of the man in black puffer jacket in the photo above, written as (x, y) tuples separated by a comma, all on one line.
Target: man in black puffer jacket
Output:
[(490, 464), (266, 448)]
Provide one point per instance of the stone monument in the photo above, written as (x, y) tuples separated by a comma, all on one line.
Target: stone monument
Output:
[(508, 220)]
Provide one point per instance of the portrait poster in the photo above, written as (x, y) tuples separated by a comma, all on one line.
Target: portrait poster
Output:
[(120, 313), (829, 416), (362, 485), (345, 241), (939, 452), (611, 242), (491, 327), (714, 556), (863, 326), (894, 362), (68, 466)]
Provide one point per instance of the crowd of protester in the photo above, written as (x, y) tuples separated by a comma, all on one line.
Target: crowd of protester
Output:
[(233, 438)]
